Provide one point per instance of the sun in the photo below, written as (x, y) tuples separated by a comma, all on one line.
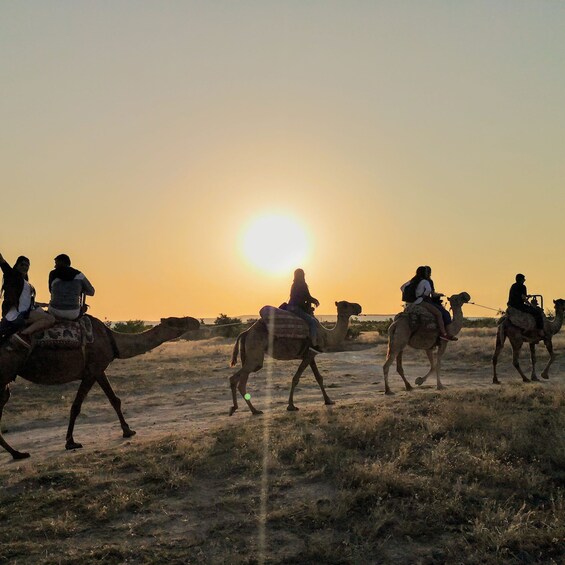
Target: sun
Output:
[(275, 243)]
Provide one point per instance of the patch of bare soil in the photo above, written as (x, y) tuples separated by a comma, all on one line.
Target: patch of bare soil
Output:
[(183, 388)]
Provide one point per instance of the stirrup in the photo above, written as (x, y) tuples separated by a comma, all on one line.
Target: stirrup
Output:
[(21, 341)]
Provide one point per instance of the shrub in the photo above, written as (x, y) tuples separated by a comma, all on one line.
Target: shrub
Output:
[(131, 327), (234, 326)]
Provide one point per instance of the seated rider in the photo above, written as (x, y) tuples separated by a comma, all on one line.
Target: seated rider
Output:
[(518, 298), (425, 295), (67, 285), (21, 315), (436, 301), (300, 304)]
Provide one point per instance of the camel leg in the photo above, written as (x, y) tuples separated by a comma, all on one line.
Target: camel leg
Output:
[(242, 387), (238, 381), (421, 380), (500, 339), (305, 362), (388, 362), (4, 397), (320, 380), (440, 352), (533, 358), (84, 388), (116, 403), (549, 347), (516, 359), (234, 381), (400, 371)]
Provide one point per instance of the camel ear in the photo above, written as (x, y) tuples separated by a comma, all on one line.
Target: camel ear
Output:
[(555, 302), (336, 302)]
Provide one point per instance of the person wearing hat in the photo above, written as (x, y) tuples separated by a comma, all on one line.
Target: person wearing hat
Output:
[(67, 285), (518, 298)]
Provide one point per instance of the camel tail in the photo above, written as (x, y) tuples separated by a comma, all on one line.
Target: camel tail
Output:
[(391, 332), (235, 352)]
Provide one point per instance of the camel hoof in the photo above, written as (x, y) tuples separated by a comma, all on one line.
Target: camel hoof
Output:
[(409, 387), (419, 381), (292, 408), (544, 376), (73, 445), (129, 433), (389, 393), (232, 410), (257, 412), (525, 379), (534, 378), (495, 381), (20, 455), (329, 402), (441, 387)]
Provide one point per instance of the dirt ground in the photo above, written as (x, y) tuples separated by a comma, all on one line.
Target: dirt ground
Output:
[(182, 387)]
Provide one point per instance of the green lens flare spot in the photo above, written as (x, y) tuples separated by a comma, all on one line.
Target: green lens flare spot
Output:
[(247, 396)]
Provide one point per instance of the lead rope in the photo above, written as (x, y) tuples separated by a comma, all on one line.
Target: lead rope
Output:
[(497, 310)]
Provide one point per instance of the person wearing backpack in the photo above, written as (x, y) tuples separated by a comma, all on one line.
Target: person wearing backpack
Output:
[(419, 290), (67, 287)]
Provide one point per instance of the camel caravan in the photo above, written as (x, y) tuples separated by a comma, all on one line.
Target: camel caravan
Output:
[(65, 344)]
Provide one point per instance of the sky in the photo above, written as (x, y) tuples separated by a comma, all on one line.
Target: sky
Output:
[(150, 140)]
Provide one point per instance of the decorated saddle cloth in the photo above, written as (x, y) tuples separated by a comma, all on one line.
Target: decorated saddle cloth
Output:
[(66, 334), (418, 318), (283, 323), (522, 320)]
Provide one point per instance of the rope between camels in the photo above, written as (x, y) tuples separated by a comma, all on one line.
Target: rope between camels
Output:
[(221, 325), (487, 307)]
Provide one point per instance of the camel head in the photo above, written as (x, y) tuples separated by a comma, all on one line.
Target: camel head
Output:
[(457, 300), (181, 324), (345, 308), (559, 305)]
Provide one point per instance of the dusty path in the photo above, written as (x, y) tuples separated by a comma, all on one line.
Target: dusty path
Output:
[(182, 388)]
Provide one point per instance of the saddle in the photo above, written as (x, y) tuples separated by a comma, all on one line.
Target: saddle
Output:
[(522, 320), (66, 334), (418, 318), (283, 323)]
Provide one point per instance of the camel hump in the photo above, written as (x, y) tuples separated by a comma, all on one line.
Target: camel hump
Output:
[(522, 320), (283, 323)]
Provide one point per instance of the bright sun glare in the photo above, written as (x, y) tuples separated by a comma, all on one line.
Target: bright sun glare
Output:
[(275, 243)]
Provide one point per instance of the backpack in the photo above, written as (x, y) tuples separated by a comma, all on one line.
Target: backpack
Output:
[(409, 292)]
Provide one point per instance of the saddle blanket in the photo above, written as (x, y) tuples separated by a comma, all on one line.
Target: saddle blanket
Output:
[(283, 323), (522, 320), (419, 318), (66, 334)]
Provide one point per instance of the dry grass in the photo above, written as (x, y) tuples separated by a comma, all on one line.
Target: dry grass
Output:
[(457, 477), (474, 474)]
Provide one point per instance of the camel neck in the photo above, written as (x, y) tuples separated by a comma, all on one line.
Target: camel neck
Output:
[(556, 323), (457, 322), (130, 345), (337, 334)]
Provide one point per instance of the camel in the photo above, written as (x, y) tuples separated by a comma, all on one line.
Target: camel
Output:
[(255, 343), (87, 364), (517, 337), (424, 335)]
